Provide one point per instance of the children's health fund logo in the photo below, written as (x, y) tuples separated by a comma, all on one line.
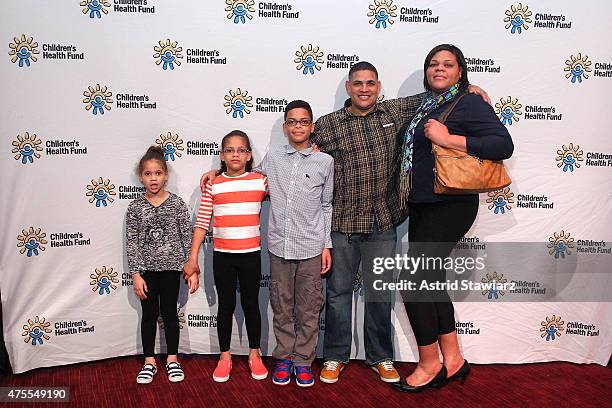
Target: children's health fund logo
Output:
[(518, 17), (168, 54), (309, 59), (23, 50), (560, 244), (499, 201), (96, 9), (26, 148), (237, 103), (103, 280), (577, 67), (552, 327), (382, 12), (31, 242), (569, 157), (101, 192), (241, 11), (508, 110), (171, 144), (36, 331), (494, 285), (97, 99)]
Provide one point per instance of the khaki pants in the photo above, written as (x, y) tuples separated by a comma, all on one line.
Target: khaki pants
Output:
[(296, 298)]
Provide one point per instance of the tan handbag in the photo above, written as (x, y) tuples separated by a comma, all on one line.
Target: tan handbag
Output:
[(457, 172)]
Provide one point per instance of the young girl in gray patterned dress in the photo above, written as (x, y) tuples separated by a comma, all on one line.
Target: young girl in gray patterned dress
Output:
[(158, 230)]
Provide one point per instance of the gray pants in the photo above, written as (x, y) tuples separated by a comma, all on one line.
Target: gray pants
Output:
[(296, 298)]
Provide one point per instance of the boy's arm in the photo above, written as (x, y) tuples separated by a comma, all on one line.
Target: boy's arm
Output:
[(326, 203), (327, 209)]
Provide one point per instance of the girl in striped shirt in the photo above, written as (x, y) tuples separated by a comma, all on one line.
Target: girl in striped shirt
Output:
[(234, 198)]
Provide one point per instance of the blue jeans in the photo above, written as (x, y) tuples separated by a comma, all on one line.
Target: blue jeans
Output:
[(349, 250)]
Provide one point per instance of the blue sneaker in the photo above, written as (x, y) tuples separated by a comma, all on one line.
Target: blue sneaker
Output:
[(282, 371), (304, 376)]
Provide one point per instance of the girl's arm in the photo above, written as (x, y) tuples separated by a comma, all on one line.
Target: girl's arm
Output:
[(191, 266), (199, 231), (135, 259), (185, 228)]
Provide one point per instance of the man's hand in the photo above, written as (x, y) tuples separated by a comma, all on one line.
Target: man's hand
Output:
[(193, 282), (326, 261), (140, 286), (210, 175), (479, 91), (190, 268)]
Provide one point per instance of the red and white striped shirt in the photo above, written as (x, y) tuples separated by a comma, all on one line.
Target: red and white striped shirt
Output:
[(235, 203)]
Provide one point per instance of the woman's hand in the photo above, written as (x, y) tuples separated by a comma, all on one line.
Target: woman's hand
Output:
[(438, 134), (140, 286), (209, 176)]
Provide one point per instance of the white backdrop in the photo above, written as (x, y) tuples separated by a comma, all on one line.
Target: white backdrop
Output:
[(86, 91)]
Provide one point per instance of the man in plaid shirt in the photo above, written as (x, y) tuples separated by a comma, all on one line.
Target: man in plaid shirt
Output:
[(362, 139)]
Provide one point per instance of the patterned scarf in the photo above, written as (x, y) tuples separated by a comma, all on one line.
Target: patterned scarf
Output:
[(429, 104)]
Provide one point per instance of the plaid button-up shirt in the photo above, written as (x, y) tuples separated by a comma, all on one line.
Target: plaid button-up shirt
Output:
[(367, 153)]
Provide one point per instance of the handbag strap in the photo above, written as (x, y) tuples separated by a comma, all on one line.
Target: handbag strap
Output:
[(450, 108)]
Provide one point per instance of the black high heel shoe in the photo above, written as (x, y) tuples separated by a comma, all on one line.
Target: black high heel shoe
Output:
[(461, 374), (437, 381)]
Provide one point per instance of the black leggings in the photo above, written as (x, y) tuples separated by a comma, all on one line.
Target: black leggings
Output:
[(444, 224), (162, 294), (245, 268)]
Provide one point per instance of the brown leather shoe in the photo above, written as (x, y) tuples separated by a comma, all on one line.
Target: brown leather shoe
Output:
[(386, 371), (331, 371)]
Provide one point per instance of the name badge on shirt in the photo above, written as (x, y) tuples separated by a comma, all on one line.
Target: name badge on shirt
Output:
[(386, 125)]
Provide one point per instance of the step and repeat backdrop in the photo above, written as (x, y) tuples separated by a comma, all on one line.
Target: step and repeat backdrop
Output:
[(89, 85)]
